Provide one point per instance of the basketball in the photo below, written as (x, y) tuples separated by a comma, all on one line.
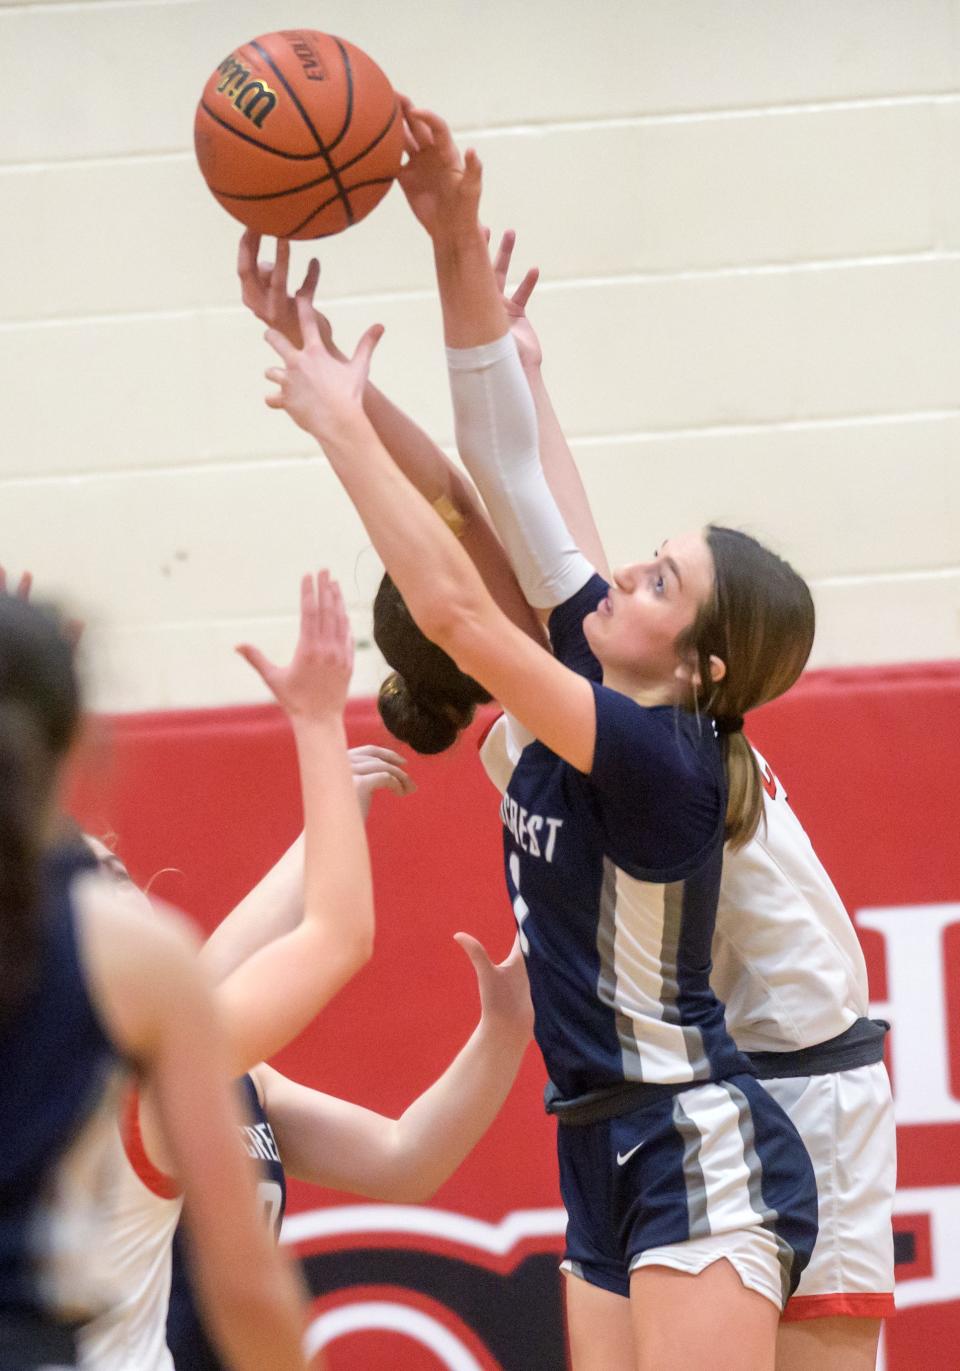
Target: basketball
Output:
[(298, 134)]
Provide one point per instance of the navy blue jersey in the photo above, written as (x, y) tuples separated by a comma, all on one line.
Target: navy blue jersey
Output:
[(58, 1079), (186, 1336), (614, 878)]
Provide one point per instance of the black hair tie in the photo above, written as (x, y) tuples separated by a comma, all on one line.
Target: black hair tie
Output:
[(732, 724)]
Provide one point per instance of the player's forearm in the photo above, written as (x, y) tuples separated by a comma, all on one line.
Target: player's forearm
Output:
[(563, 477), (272, 908), (497, 437), (434, 575), (429, 469), (470, 298), (337, 883), (257, 1315), (441, 1127), (278, 990), (415, 452)]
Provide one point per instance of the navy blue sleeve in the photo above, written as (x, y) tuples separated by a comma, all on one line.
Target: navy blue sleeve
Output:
[(566, 629), (658, 779)]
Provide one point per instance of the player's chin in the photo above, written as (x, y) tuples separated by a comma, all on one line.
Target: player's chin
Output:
[(593, 626)]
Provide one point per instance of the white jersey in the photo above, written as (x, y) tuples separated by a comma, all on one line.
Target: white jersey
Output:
[(144, 1210), (786, 959), (787, 962)]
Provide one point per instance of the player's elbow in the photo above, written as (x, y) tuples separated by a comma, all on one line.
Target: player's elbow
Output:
[(460, 624), (356, 949)]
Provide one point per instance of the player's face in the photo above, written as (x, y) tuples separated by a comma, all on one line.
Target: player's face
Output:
[(634, 631)]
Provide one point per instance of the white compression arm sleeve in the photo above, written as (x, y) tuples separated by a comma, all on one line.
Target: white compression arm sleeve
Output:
[(496, 428)]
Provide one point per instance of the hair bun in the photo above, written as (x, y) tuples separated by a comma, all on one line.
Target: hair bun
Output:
[(418, 717)]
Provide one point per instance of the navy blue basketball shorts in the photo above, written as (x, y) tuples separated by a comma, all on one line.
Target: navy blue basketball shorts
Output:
[(716, 1171)]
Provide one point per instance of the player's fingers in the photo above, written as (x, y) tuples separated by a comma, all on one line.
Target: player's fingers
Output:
[(383, 754), (525, 289), (24, 586), (378, 769), (410, 144), (475, 950), (365, 348), (281, 345), (261, 664), (278, 276), (274, 401), (425, 131), (501, 263), (247, 254), (308, 287), (308, 324), (472, 169), (308, 607), (326, 607)]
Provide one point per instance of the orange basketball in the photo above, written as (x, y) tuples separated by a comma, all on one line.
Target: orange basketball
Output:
[(298, 134)]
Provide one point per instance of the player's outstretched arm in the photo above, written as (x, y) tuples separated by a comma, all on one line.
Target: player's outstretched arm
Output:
[(333, 1143), (158, 1009), (265, 292), (559, 467), (279, 989), (443, 191), (494, 411), (439, 583)]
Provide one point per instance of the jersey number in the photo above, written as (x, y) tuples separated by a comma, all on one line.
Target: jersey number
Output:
[(270, 1199)]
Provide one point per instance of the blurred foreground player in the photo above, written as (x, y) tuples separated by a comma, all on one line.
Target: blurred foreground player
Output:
[(90, 990)]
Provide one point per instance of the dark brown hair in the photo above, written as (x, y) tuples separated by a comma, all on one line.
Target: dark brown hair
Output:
[(760, 622), (39, 713), (427, 700)]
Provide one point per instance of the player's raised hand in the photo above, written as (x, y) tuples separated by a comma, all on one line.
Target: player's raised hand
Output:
[(265, 290), (442, 188), (320, 392), (314, 684), (528, 344), (504, 990), (72, 628), (24, 585), (378, 768)]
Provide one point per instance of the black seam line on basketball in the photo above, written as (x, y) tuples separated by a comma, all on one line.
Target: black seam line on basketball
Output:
[(309, 185), (348, 72), (309, 123), (373, 143), (264, 147), (374, 181)]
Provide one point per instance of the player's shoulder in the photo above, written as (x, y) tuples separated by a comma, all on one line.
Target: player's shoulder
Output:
[(123, 924), (138, 955)]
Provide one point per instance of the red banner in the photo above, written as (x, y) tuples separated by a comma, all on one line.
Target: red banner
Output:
[(203, 802)]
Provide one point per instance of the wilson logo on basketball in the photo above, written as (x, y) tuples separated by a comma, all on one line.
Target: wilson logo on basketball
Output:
[(252, 98)]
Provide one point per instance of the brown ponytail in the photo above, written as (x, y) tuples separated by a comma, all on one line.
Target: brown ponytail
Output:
[(427, 700), (760, 623)]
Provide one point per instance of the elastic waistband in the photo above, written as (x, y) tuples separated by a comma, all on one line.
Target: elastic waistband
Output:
[(610, 1102), (860, 1045)]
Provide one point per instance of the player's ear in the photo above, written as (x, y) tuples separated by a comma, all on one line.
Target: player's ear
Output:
[(718, 669)]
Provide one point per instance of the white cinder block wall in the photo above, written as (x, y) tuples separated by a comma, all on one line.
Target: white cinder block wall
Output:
[(747, 215)]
